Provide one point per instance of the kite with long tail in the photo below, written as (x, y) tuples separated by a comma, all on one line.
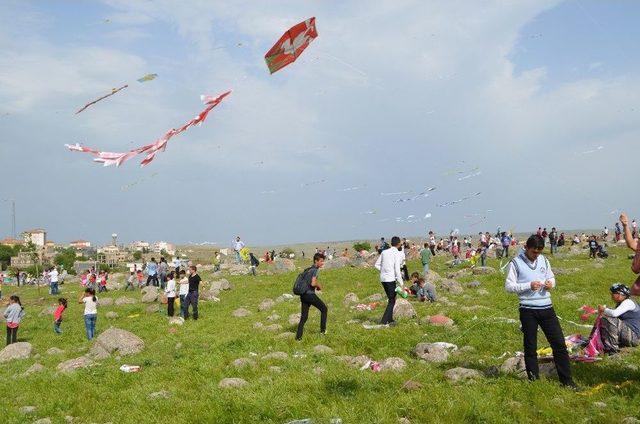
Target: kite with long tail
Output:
[(117, 159), (113, 91)]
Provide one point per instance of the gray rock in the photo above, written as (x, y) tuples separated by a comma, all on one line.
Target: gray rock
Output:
[(482, 292), (286, 335), (376, 297), (350, 298), (411, 386), (150, 294), (105, 301), (257, 325), (34, 369), (322, 349), (54, 351), (432, 352), (630, 420), (459, 374), (227, 383), (266, 304), (152, 309), (273, 328), (460, 273), (336, 263), (176, 321), (74, 364), (451, 287), (275, 369), (392, 364), (598, 265), (600, 405), (243, 362), (355, 361), (42, 421), (294, 319), (27, 410), (473, 284), (403, 420), (281, 265), (273, 317), (125, 301), (280, 356), (514, 366), (241, 312), (221, 285), (19, 350), (209, 295), (162, 394), (318, 370), (285, 297), (483, 270), (68, 419), (116, 340), (239, 269), (112, 315), (403, 309)]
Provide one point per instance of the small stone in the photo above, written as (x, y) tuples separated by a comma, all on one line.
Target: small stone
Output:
[(433, 352), (227, 383), (459, 374), (440, 320), (355, 361), (403, 420), (482, 292), (281, 356), (74, 364), (125, 301), (393, 364), (322, 349), (54, 351), (275, 369), (318, 370), (294, 319), (220, 285), (411, 386), (630, 420), (43, 421), (27, 409), (273, 328), (68, 418), (162, 394), (451, 286), (273, 317), (241, 312), (286, 335), (152, 309), (483, 270), (266, 304), (514, 366), (112, 315), (105, 301), (377, 297), (473, 284), (34, 369), (600, 405), (243, 362), (258, 325), (350, 298), (176, 321)]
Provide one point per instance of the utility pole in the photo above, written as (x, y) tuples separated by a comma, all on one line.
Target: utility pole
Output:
[(13, 218)]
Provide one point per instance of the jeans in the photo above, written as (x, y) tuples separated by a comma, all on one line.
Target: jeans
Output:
[(191, 299), (238, 258), (56, 327), (170, 301), (54, 287), (554, 248), (102, 288), (390, 290), (306, 301), (505, 251), (425, 270), (163, 280), (12, 335), (430, 289), (483, 259), (548, 321), (90, 325), (182, 301)]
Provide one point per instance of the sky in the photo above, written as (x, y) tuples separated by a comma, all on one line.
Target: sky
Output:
[(534, 104)]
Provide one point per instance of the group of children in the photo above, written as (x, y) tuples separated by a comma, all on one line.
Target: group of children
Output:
[(95, 281)]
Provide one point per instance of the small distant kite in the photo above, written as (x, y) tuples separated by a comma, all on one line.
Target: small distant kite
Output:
[(113, 91), (291, 45), (117, 159), (148, 77)]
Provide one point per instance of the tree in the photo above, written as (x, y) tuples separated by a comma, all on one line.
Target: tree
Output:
[(137, 255), (6, 252), (362, 245), (66, 258)]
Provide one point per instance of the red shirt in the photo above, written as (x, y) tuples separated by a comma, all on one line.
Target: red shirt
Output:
[(57, 315)]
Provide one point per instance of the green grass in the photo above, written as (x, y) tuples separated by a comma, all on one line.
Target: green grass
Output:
[(190, 363)]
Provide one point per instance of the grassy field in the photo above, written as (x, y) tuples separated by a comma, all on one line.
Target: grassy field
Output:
[(190, 362)]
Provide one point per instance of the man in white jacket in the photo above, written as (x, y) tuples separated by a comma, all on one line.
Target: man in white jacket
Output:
[(389, 264)]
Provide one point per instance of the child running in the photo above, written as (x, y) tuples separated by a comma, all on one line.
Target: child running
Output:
[(57, 315), (13, 315), (90, 311), (170, 292), (131, 281)]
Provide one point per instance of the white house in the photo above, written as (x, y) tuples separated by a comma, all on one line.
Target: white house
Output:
[(36, 236)]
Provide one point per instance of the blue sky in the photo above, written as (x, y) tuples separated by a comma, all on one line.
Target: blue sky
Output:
[(392, 97)]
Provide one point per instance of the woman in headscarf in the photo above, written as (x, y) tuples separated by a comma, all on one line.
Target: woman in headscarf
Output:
[(619, 327)]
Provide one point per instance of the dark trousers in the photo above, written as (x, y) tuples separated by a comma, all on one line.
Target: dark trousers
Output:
[(405, 272), (306, 301), (390, 290), (548, 321), (183, 298), (505, 251), (170, 301), (191, 299), (153, 279), (12, 335), (433, 250)]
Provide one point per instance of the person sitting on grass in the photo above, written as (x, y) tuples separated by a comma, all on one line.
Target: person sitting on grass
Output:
[(619, 327), (426, 291), (413, 281)]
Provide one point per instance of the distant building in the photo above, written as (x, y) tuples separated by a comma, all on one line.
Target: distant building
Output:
[(23, 260), (80, 244), (37, 236), (163, 245), (112, 255), (50, 244), (139, 246), (11, 242)]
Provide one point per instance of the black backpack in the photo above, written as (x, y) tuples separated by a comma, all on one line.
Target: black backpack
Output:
[(302, 283)]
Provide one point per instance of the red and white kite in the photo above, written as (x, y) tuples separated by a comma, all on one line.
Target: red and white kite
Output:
[(291, 45), (117, 159)]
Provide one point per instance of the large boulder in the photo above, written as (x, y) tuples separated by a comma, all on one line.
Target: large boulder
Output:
[(266, 304), (459, 374), (220, 285), (281, 265), (19, 350), (403, 309), (150, 294), (434, 352), (483, 270), (74, 364), (451, 286), (115, 339), (336, 263)]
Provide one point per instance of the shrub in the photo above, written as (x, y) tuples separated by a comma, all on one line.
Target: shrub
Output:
[(362, 245)]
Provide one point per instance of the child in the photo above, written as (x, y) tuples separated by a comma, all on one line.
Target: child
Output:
[(13, 314), (426, 291), (130, 281), (90, 311), (413, 280), (91, 283), (140, 276), (170, 292), (84, 278), (103, 282), (184, 290), (57, 315)]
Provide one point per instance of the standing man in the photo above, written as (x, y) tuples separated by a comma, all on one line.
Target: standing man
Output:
[(176, 265), (530, 277), (553, 240), (152, 272), (163, 268), (310, 298), (389, 263), (192, 295), (238, 245), (425, 258), (53, 280), (505, 240)]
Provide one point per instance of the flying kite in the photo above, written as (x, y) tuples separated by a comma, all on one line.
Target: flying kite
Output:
[(291, 45), (148, 77), (117, 159), (113, 91)]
